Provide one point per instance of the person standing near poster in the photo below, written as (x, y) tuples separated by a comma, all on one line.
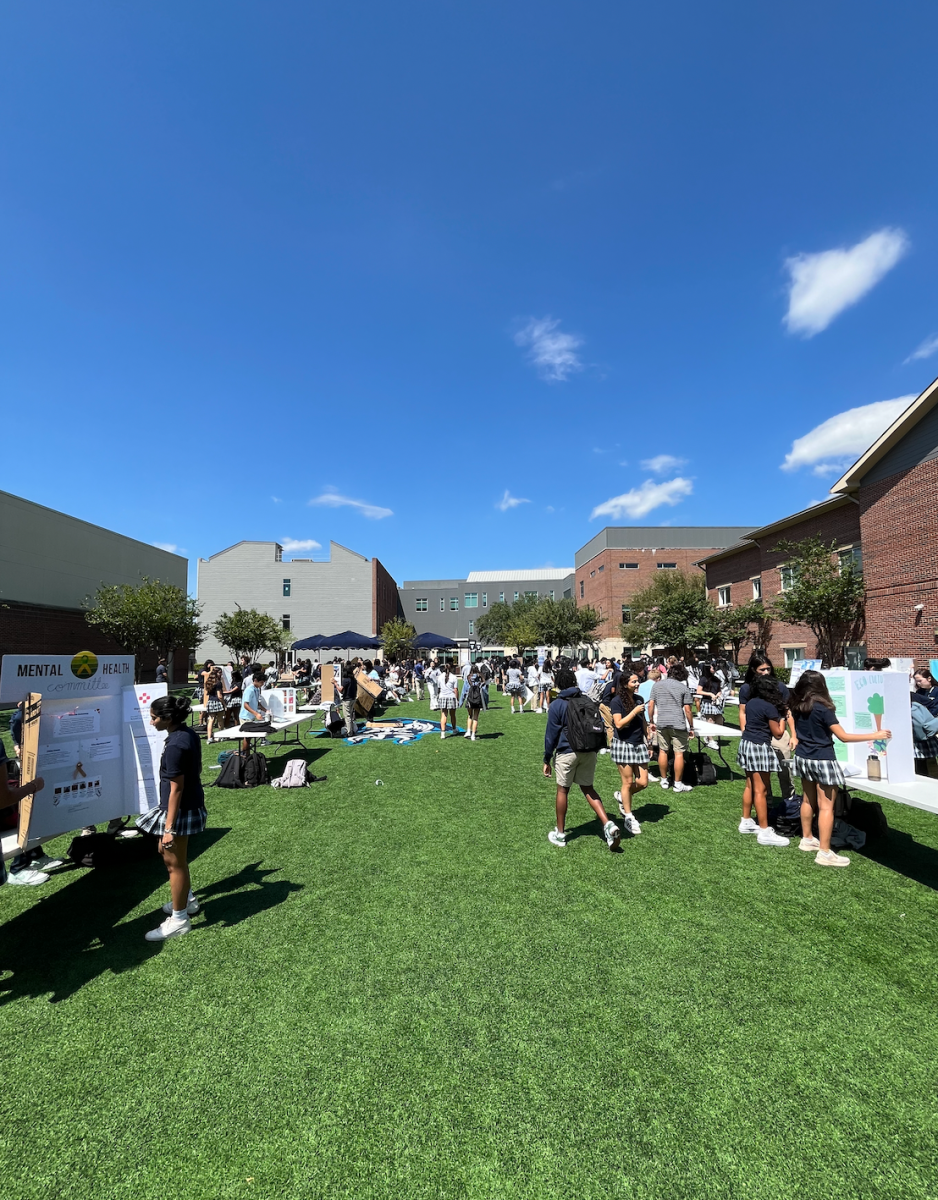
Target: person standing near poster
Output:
[(180, 813)]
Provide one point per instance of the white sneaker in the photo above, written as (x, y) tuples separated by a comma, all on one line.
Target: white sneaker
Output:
[(45, 863), (810, 843), (467, 735), (632, 825), (680, 786), (472, 738), (664, 783), (130, 833), (613, 835), (748, 825), (192, 908), (827, 858), (768, 837), (27, 878), (617, 796), (171, 927), (556, 838), (713, 745)]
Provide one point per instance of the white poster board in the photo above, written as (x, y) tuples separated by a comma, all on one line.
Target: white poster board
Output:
[(144, 745), (799, 666), (281, 702), (870, 701), (85, 739)]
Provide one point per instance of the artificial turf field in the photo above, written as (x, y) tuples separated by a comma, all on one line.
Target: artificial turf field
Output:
[(406, 991)]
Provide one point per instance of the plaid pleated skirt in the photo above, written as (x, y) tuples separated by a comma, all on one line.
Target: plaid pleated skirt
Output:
[(215, 705), (754, 756), (818, 770), (926, 749), (711, 708), (187, 823), (446, 702), (629, 753)]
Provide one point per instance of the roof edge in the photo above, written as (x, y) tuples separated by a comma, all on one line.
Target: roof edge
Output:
[(922, 404)]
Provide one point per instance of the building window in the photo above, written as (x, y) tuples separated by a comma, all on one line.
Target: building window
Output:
[(552, 594), (278, 555), (603, 567), (530, 595), (788, 576), (501, 597), (581, 589), (421, 604), (471, 600), (516, 595), (666, 566), (792, 653), (852, 555), (628, 566), (723, 596), (592, 573), (454, 603), (442, 605), (567, 594), (286, 587), (626, 614), (756, 582), (472, 628), (485, 599), (285, 620)]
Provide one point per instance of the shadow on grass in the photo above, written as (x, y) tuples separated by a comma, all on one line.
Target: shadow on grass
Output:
[(900, 852), (227, 903), (650, 813), (73, 935)]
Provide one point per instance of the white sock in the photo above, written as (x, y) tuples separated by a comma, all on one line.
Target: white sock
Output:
[(179, 916)]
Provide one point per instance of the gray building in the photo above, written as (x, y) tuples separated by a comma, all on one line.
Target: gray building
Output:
[(50, 562), (451, 607), (307, 596)]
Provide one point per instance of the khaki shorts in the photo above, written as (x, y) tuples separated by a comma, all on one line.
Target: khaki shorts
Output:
[(783, 746), (670, 738), (576, 767)]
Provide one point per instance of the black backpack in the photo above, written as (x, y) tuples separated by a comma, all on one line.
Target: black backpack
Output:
[(230, 774), (474, 696), (703, 768), (94, 850), (586, 730), (255, 773)]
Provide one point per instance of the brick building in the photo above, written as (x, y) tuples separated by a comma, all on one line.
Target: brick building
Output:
[(884, 512), (753, 569), (622, 560)]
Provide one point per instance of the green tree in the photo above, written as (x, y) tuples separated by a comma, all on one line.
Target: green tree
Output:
[(508, 624), (397, 635), (151, 616), (247, 631), (673, 612), (826, 595)]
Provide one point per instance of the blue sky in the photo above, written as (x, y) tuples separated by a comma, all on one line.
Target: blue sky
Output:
[(497, 273)]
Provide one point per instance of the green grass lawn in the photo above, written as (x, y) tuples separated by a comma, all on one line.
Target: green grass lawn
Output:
[(405, 991)]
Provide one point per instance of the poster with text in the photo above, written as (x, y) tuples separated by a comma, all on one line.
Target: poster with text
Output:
[(145, 747), (869, 702)]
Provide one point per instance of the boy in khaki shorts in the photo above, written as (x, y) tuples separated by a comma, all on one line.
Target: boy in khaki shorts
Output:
[(572, 766), (670, 716)]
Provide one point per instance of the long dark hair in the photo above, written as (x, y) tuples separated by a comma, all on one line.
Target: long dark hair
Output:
[(810, 689), (758, 658), (175, 708), (765, 688), (708, 678), (623, 692)]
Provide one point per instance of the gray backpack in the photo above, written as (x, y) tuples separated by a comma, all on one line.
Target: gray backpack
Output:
[(294, 775)]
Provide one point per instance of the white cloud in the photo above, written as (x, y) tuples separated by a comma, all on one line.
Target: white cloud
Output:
[(925, 350), (553, 353), (662, 463), (332, 499), (837, 442), (641, 500), (276, 500), (824, 284), (509, 501), (169, 547), (293, 546)]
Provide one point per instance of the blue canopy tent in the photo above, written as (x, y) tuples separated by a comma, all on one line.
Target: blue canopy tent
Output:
[(310, 643), (433, 641)]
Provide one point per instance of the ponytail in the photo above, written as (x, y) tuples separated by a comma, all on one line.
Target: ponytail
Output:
[(174, 708)]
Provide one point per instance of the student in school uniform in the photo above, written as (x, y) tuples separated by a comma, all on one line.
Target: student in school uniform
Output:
[(765, 716), (629, 749), (816, 726), (515, 685), (446, 682), (761, 665)]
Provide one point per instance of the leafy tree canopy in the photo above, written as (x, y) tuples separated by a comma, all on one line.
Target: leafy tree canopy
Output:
[(247, 631), (826, 595), (151, 616), (672, 612), (397, 635)]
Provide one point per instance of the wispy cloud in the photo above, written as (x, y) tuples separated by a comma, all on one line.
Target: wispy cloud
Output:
[(509, 501), (837, 442), (295, 546), (925, 350), (823, 285), (642, 500), (169, 547), (332, 499), (662, 463), (276, 500), (553, 353)]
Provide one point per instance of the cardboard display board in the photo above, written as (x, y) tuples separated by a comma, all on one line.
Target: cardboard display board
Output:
[(87, 736), (328, 685), (869, 701), (368, 692)]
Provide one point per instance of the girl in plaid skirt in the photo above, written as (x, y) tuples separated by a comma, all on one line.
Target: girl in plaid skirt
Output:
[(765, 719), (814, 761), (629, 749), (180, 812)]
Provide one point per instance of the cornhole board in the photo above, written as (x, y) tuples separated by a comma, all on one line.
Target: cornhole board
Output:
[(368, 692)]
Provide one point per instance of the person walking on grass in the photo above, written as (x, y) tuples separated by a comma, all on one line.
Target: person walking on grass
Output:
[(766, 712), (515, 685), (572, 766), (629, 748), (180, 813), (475, 700), (545, 681), (214, 701), (446, 682), (815, 764), (670, 718)]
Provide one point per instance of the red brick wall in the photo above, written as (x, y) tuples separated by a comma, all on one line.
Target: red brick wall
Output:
[(37, 629), (385, 599), (842, 526), (606, 587), (899, 519)]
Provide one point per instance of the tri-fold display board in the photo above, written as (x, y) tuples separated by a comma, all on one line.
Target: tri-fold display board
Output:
[(87, 734)]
